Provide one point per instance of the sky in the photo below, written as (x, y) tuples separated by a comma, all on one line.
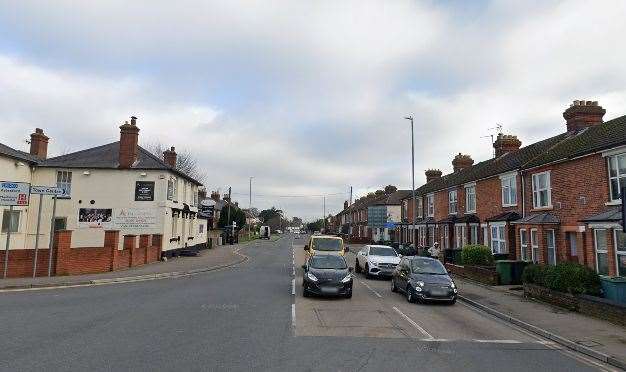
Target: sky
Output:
[(307, 97)]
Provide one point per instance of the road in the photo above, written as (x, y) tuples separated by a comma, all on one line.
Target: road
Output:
[(247, 318)]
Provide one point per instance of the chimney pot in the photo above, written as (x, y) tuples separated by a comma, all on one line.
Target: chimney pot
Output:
[(133, 120), (583, 114), (432, 174), (39, 144), (506, 143), (461, 162)]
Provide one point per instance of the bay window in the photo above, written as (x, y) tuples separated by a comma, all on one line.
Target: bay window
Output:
[(534, 244), (551, 246), (602, 256), (542, 194), (498, 239), (524, 252), (473, 234), (460, 236), (620, 252)]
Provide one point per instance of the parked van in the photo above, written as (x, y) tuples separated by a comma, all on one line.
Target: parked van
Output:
[(325, 244), (264, 233)]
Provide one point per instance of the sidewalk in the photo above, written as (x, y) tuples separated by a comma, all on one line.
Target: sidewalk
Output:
[(595, 334), (219, 256)]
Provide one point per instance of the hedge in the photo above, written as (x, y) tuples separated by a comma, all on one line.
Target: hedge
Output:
[(476, 255), (567, 277)]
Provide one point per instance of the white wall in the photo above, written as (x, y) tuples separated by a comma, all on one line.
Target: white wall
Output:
[(16, 171)]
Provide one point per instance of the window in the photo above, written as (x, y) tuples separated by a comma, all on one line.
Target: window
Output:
[(470, 199), (541, 190), (405, 212), (174, 226), (509, 191), (10, 221), (452, 202), (172, 189), (523, 239), (420, 207), (184, 192), (445, 237), (422, 240), (201, 228), (534, 244), (460, 236), (64, 181), (551, 245), (602, 257), (498, 242), (473, 234), (430, 202), (60, 223), (431, 236), (191, 226), (195, 197), (620, 252), (486, 236), (617, 175)]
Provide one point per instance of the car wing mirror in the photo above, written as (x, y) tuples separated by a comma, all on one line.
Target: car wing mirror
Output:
[(304, 267), (306, 247), (347, 249)]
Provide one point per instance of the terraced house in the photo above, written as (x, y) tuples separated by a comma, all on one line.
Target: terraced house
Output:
[(554, 200)]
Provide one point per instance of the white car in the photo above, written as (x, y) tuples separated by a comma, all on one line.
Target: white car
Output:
[(376, 260)]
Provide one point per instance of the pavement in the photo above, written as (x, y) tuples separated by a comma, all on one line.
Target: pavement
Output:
[(252, 316)]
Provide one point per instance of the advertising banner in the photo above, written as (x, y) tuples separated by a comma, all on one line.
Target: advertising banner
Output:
[(138, 220), (95, 218), (14, 193)]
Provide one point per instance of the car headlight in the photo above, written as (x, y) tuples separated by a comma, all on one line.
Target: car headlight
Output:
[(373, 262), (311, 277), (452, 285), (420, 283), (346, 279)]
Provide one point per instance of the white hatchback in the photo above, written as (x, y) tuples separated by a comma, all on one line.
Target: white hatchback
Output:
[(376, 260)]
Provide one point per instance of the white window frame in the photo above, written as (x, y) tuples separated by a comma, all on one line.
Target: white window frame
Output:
[(499, 238), (7, 212), (618, 253), (460, 236), (175, 226), (430, 204), (445, 237), (473, 233), (534, 245), (431, 236), (524, 240), (470, 198), (486, 241), (508, 183), (601, 251), (419, 206), (618, 176), (551, 233), (537, 192), (64, 181), (453, 202)]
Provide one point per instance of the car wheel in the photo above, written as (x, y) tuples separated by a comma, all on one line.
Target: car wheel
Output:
[(393, 286), (367, 272), (349, 295), (305, 292), (409, 294), (452, 301), (357, 268)]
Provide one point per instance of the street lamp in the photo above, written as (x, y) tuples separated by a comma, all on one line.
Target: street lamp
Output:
[(250, 209), (410, 118)]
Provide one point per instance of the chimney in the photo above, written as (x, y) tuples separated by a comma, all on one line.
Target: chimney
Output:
[(39, 144), (583, 114), (432, 174), (506, 143), (129, 136), (345, 204), (215, 196), (461, 162), (169, 157)]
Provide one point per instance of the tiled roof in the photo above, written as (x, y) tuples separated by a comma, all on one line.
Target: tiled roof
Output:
[(107, 157), (17, 154), (506, 216), (612, 214), (596, 138), (392, 199), (543, 218)]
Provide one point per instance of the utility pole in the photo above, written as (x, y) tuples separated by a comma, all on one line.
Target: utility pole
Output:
[(350, 196), (250, 209), (410, 118), (230, 223), (324, 214)]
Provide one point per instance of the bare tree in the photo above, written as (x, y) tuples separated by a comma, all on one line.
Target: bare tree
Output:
[(186, 162)]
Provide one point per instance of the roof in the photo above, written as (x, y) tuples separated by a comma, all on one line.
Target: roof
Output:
[(589, 140), (392, 199), (612, 214), (543, 218), (17, 154), (506, 216), (107, 157)]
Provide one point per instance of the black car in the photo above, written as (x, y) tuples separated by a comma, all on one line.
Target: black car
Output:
[(423, 278), (327, 275)]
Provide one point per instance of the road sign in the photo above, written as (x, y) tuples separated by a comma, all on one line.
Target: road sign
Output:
[(47, 190), (14, 193)]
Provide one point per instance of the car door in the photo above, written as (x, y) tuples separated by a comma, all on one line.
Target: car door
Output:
[(362, 256), (403, 274)]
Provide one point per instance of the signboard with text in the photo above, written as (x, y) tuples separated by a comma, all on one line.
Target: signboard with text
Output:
[(142, 220), (14, 193), (47, 190), (144, 191)]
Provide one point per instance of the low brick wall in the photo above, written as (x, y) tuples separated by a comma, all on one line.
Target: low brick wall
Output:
[(21, 263), (485, 275), (596, 307)]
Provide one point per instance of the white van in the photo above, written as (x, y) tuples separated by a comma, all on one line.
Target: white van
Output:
[(264, 233)]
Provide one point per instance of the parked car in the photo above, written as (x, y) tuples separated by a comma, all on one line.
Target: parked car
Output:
[(327, 275), (376, 260), (325, 244), (264, 232), (423, 278)]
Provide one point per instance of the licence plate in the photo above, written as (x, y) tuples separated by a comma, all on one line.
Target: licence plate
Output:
[(438, 292), (329, 290)]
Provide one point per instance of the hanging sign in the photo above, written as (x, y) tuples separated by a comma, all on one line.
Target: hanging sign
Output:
[(14, 193)]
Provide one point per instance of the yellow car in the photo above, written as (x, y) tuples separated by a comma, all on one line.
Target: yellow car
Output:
[(325, 244)]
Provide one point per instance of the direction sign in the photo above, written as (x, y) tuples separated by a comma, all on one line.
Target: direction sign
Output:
[(47, 190), (14, 193)]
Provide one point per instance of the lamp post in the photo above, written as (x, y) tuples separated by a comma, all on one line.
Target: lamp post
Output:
[(410, 118), (250, 210)]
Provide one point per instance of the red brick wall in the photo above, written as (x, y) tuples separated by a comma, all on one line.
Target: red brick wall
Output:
[(21, 263), (489, 198)]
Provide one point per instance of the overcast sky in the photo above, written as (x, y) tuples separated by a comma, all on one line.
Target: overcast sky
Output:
[(306, 96)]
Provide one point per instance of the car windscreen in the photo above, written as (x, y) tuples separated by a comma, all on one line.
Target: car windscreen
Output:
[(382, 251), (327, 262), (323, 244), (427, 266)]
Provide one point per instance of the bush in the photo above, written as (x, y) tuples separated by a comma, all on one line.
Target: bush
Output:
[(476, 255), (564, 277)]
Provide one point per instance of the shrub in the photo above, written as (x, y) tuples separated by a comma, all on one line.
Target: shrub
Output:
[(564, 277), (476, 255)]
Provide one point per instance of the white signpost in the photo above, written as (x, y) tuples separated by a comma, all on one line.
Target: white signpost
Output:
[(55, 192), (12, 194)]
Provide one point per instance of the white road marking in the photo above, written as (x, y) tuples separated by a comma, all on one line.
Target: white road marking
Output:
[(293, 287), (293, 315), (498, 341), (371, 289), (414, 324)]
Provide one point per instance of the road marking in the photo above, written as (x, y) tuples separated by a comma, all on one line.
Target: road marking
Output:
[(293, 287), (414, 324), (498, 341), (293, 315), (371, 289)]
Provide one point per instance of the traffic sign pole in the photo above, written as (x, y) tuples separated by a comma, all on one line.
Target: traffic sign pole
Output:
[(54, 209), (37, 235), (6, 248)]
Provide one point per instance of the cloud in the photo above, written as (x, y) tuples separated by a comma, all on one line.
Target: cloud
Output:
[(307, 97)]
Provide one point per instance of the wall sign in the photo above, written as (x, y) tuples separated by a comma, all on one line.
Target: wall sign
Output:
[(144, 191), (14, 193), (95, 218), (146, 221)]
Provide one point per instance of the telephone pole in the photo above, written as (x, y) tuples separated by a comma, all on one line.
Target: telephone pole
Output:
[(410, 118)]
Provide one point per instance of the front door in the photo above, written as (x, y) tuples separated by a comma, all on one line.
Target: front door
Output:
[(573, 249)]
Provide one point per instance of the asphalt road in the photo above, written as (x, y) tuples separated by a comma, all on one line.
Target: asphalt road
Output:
[(246, 318)]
